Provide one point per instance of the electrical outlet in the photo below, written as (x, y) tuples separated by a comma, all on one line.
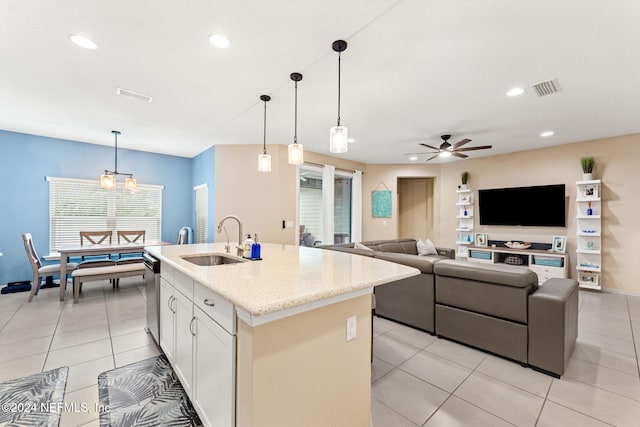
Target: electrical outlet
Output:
[(351, 328)]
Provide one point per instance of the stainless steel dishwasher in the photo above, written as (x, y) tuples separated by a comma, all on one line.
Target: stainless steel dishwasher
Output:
[(152, 287)]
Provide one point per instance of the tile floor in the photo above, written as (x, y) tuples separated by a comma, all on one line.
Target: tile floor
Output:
[(105, 330), (417, 379), (420, 380)]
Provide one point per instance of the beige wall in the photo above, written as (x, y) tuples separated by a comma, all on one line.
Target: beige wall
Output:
[(415, 207), (616, 161), (261, 200), (374, 177), (301, 371)]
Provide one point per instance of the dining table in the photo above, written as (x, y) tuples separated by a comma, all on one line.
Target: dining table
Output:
[(67, 252)]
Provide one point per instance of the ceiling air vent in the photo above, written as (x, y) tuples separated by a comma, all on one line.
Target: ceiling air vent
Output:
[(545, 88), (135, 95)]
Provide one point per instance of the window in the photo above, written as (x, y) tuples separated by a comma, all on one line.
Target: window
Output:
[(83, 205), (329, 206), (310, 207), (202, 213)]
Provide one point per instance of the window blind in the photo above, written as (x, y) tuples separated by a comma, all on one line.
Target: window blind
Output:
[(83, 205), (202, 213)]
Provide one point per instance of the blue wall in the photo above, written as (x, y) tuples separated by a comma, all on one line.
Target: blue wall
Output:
[(203, 173), (25, 161)]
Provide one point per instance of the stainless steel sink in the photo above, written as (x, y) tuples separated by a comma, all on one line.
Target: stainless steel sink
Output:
[(212, 259)]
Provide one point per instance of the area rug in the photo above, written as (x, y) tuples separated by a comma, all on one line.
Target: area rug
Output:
[(36, 400), (145, 393)]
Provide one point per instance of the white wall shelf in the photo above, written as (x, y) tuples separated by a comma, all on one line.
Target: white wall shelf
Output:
[(589, 245), (464, 204)]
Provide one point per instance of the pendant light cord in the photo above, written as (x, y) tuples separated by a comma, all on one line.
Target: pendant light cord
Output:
[(295, 116), (264, 141), (339, 59), (116, 155)]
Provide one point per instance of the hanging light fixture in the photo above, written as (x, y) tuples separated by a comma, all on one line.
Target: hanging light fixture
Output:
[(296, 151), (108, 178), (339, 135), (264, 160)]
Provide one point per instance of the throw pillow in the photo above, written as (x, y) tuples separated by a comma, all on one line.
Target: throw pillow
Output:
[(426, 248), (358, 245)]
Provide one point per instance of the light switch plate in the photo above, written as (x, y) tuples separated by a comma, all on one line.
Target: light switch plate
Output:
[(352, 328)]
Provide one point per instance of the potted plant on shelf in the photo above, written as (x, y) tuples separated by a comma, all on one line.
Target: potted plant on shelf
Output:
[(464, 177), (587, 168)]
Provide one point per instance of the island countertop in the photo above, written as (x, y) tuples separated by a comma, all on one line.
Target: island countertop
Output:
[(287, 276)]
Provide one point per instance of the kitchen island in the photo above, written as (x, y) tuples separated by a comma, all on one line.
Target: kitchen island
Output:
[(264, 343)]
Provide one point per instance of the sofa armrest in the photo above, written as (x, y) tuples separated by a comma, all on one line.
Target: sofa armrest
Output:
[(447, 252), (553, 325)]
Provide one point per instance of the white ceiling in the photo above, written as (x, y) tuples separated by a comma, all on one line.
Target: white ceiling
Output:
[(414, 69)]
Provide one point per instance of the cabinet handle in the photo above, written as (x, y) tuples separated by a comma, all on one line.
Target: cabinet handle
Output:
[(208, 302), (191, 326), (173, 306), (169, 303)]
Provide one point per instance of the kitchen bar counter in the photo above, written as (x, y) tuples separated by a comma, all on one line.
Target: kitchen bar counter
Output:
[(280, 342), (287, 276)]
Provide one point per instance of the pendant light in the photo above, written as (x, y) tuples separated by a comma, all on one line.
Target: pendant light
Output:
[(264, 160), (296, 151), (338, 135), (108, 178)]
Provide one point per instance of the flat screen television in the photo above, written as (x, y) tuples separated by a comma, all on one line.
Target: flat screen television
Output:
[(539, 206)]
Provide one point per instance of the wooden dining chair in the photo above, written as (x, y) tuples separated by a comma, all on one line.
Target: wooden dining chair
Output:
[(39, 270), (131, 236), (96, 237)]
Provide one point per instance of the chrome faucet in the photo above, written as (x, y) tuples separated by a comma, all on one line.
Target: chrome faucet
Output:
[(240, 247)]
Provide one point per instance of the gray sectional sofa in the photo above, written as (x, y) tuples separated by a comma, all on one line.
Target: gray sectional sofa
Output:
[(496, 308)]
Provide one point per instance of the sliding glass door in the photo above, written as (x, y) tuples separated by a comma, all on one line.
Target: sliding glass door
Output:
[(326, 201)]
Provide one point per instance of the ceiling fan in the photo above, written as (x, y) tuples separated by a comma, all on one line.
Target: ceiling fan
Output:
[(446, 149)]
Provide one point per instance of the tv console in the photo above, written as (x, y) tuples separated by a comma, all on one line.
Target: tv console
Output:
[(546, 264)]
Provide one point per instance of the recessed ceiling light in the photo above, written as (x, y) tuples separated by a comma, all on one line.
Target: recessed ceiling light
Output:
[(83, 41), (546, 133), (515, 91), (219, 41), (413, 158)]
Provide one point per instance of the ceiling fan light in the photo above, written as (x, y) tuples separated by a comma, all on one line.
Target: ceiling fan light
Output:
[(107, 181), (130, 183), (296, 154), (413, 158), (445, 153), (338, 139), (264, 163)]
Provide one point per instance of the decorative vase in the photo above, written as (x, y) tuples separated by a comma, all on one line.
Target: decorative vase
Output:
[(465, 212), (589, 210), (464, 187), (587, 176)]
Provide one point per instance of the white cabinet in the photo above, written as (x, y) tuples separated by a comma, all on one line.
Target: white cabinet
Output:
[(545, 264), (589, 234), (167, 319), (214, 386), (183, 357), (465, 223), (197, 334)]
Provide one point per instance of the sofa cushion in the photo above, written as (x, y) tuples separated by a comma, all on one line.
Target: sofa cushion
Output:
[(426, 247), (422, 263), (364, 252), (361, 246), (500, 274)]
